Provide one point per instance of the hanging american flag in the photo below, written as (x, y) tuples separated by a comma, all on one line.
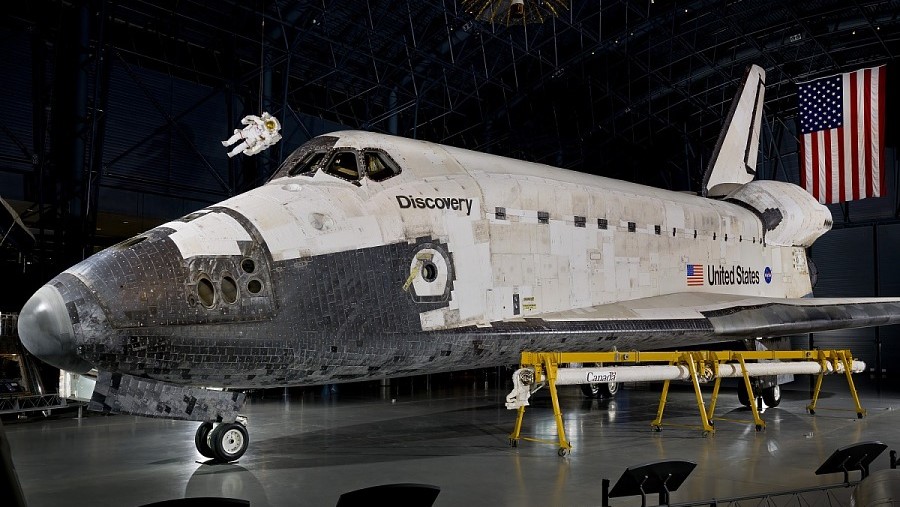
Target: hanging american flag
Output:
[(842, 124)]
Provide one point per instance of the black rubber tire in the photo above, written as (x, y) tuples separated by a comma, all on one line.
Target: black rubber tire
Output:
[(772, 396), (590, 390), (229, 441), (610, 390), (201, 440), (601, 391), (605, 390), (743, 398)]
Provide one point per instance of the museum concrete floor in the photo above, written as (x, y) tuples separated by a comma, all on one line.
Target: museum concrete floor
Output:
[(311, 446)]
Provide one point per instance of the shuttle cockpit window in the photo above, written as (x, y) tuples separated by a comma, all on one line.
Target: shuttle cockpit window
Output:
[(307, 164), (307, 159), (343, 165), (379, 166)]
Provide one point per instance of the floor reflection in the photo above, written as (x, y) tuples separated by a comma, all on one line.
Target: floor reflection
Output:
[(226, 481)]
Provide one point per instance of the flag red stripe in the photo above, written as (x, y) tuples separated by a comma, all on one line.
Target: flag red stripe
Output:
[(828, 168), (867, 128), (815, 165), (854, 135)]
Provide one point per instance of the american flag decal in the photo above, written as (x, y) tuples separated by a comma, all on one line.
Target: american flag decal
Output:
[(694, 275)]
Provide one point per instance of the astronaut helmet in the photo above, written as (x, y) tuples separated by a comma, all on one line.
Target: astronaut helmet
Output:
[(270, 122)]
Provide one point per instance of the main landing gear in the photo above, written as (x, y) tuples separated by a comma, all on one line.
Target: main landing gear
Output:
[(600, 390), (607, 390), (224, 442), (771, 396)]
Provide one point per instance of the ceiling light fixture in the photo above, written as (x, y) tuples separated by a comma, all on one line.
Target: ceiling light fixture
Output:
[(514, 12)]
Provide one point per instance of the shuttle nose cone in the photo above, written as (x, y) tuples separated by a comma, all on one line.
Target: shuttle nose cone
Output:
[(46, 331)]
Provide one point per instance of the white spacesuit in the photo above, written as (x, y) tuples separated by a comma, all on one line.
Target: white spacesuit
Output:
[(259, 134)]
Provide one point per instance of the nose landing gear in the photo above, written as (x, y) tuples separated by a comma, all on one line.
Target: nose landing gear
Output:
[(224, 442)]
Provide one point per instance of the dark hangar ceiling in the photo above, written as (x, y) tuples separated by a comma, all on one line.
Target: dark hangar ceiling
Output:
[(604, 72), (117, 106)]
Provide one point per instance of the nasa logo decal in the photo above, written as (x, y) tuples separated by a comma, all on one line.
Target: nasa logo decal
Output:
[(767, 274)]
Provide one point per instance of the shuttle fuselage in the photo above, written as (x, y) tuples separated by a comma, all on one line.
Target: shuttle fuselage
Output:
[(314, 278)]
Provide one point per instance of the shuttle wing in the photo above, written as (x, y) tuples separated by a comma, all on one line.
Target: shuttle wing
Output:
[(726, 316)]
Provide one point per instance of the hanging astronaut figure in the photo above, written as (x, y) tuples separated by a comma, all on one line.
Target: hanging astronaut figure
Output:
[(260, 133)]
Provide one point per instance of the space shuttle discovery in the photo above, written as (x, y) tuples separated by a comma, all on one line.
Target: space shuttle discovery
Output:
[(368, 256)]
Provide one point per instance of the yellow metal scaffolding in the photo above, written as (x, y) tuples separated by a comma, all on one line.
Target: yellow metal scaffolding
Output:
[(702, 365)]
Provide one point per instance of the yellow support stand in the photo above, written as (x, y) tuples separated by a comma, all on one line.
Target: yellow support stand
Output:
[(760, 424), (703, 367), (548, 367), (695, 363), (838, 357), (663, 398), (695, 380)]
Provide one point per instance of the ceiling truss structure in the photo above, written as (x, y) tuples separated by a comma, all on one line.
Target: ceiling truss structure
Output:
[(606, 71)]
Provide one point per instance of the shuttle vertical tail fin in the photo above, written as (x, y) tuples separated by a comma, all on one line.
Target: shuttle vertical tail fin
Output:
[(734, 160)]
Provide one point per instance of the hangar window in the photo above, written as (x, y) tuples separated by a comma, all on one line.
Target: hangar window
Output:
[(656, 229), (206, 292), (543, 217), (379, 166), (579, 221), (307, 164), (632, 227), (343, 165), (602, 223)]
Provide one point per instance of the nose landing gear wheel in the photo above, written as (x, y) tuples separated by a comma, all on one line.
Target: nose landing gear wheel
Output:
[(229, 441), (201, 440)]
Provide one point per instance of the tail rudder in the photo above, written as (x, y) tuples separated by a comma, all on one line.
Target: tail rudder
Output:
[(733, 162)]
